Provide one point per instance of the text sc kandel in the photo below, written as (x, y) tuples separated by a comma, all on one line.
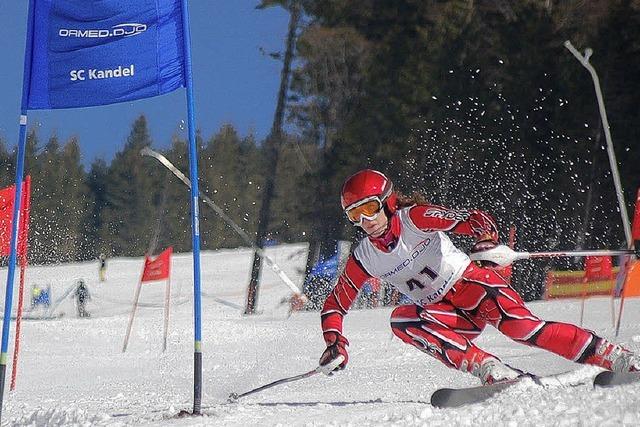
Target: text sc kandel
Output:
[(96, 74)]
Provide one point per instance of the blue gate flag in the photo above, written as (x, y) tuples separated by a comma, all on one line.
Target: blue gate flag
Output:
[(97, 52), (82, 53)]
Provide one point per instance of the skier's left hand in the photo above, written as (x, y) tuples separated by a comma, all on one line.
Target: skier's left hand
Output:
[(484, 243)]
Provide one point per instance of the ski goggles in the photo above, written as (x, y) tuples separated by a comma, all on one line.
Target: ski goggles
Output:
[(368, 208)]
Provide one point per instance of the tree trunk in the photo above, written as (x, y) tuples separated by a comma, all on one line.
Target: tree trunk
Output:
[(272, 146)]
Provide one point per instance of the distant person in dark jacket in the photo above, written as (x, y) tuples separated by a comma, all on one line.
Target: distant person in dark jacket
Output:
[(82, 296)]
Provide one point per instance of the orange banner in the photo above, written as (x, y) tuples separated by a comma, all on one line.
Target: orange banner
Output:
[(571, 284), (158, 268)]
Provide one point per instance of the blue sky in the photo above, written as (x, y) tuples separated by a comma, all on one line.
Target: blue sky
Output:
[(233, 81)]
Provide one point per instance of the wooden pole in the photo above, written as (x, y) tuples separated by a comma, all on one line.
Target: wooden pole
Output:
[(613, 304), (584, 297), (167, 300), (133, 313)]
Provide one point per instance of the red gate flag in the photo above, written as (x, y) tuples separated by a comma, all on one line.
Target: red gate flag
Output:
[(158, 268), (598, 268), (636, 219), (6, 213)]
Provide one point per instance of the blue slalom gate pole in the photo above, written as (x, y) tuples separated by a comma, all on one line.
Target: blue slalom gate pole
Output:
[(195, 219), (8, 297)]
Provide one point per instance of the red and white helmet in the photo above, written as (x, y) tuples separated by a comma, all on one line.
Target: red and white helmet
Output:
[(365, 186)]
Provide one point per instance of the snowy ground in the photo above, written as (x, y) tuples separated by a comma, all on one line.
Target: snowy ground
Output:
[(72, 371)]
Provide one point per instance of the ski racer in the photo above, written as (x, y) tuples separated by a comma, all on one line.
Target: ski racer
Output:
[(453, 298)]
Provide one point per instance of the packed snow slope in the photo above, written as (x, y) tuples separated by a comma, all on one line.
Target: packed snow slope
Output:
[(72, 371)]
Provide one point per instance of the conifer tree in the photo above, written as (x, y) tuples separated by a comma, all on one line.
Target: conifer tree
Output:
[(78, 202), (96, 179), (59, 204), (131, 196), (6, 162), (228, 181), (45, 204), (177, 227)]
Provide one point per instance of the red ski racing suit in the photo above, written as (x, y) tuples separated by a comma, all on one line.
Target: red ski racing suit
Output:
[(454, 299)]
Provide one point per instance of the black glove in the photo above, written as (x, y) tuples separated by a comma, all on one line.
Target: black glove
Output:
[(484, 243), (336, 346)]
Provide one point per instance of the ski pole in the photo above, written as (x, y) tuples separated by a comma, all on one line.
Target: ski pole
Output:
[(146, 151), (324, 369), (503, 255)]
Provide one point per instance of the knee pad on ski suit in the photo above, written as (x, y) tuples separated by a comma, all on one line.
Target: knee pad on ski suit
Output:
[(485, 296), (441, 331)]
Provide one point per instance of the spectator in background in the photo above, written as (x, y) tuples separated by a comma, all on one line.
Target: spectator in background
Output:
[(102, 271), (82, 296), (35, 295), (371, 292), (40, 296)]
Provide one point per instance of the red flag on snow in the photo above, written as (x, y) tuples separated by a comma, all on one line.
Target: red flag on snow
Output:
[(157, 268), (636, 219), (6, 213)]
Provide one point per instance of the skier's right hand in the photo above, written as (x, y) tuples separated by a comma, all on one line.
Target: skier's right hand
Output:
[(336, 346)]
